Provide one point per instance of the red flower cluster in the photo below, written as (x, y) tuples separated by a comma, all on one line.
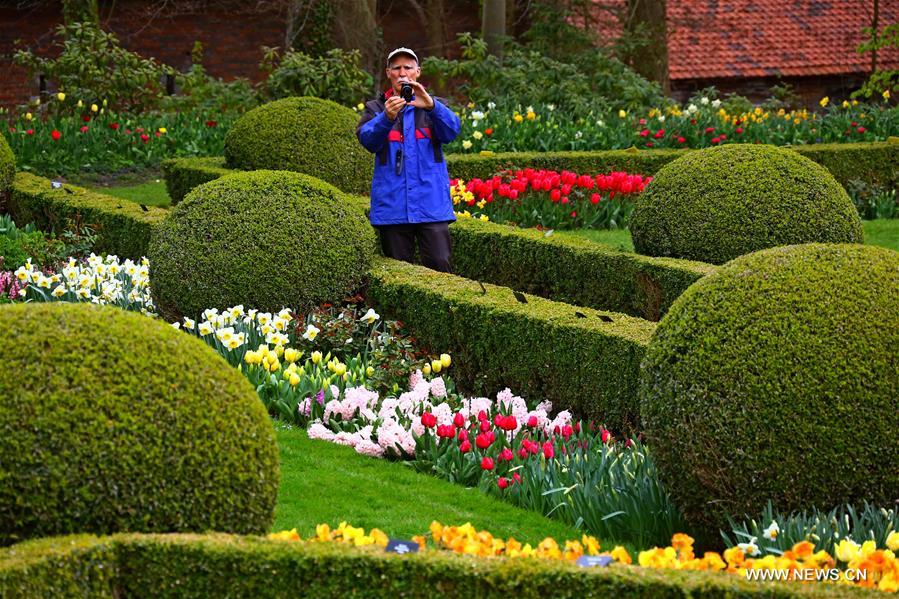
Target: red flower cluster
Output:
[(559, 185)]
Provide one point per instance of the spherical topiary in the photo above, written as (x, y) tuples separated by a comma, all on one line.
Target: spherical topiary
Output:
[(777, 377), (716, 204), (112, 421), (305, 135), (265, 239), (7, 165)]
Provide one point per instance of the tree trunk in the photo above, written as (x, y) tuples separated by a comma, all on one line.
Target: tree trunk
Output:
[(355, 25), (80, 11), (494, 25), (647, 19), (435, 27)]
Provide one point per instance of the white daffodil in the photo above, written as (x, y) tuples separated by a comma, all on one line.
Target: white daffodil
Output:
[(189, 324), (772, 531), (59, 291), (491, 105), (716, 103), (370, 316), (477, 115), (311, 333), (224, 335), (750, 548), (205, 328), (236, 311), (704, 101)]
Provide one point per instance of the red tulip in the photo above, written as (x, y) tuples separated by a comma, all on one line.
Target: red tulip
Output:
[(555, 195), (485, 426), (502, 482), (488, 131), (29, 132), (56, 135), (710, 130), (487, 463), (483, 441), (523, 453), (482, 416), (861, 129), (649, 144), (506, 455), (211, 123), (446, 431), (566, 431), (659, 134), (144, 137), (465, 446), (738, 130), (516, 477), (463, 434), (644, 133), (606, 435), (548, 450), (84, 129), (459, 420), (86, 118), (681, 140), (114, 126), (428, 419)]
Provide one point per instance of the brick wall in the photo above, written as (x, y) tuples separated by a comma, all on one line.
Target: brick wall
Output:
[(231, 39)]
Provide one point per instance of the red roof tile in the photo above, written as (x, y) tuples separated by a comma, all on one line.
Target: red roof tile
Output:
[(752, 38)]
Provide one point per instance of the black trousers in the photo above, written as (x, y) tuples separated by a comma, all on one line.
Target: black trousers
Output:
[(398, 241)]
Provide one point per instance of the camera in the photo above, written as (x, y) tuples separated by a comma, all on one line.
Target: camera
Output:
[(406, 92)]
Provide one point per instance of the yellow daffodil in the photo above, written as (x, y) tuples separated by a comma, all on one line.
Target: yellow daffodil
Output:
[(886, 94), (824, 101), (531, 115), (285, 535), (517, 118)]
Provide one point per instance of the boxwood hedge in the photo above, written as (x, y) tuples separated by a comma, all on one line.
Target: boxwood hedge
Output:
[(202, 566), (111, 421)]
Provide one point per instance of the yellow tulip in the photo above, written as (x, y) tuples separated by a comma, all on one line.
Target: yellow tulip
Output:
[(316, 357), (94, 108), (426, 369), (80, 104), (446, 360), (886, 94), (61, 96), (163, 130), (824, 101), (436, 366), (28, 116), (622, 114), (893, 541)]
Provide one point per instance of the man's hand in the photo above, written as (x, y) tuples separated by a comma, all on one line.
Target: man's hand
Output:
[(393, 106), (422, 98)]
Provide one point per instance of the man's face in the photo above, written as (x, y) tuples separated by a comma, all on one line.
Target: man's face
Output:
[(402, 68)]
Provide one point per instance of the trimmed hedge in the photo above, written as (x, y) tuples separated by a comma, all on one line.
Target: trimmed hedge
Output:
[(7, 165), (267, 239), (111, 421), (306, 135), (579, 358), (570, 270), (184, 174), (876, 162), (777, 378), (202, 566), (720, 203), (123, 227)]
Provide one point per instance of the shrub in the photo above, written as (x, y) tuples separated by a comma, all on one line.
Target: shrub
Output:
[(714, 205), (7, 166), (336, 75), (265, 239), (776, 378), (100, 434), (305, 135)]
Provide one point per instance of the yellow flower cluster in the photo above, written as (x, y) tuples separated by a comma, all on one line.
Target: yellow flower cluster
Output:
[(880, 565), (460, 193), (468, 540), (467, 214), (344, 533), (436, 366)]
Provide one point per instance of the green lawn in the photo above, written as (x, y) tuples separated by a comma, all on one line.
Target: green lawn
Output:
[(151, 193), (877, 232), (322, 482)]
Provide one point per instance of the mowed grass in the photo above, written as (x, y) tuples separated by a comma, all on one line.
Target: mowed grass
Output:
[(152, 193), (322, 482), (884, 233)]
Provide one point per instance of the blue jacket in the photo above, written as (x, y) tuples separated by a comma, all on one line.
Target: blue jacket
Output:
[(411, 183)]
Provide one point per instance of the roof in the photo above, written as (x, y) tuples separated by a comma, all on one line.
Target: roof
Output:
[(759, 38)]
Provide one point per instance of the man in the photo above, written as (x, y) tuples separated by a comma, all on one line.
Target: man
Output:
[(410, 192)]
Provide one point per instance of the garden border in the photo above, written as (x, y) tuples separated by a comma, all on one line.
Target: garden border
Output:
[(124, 227), (184, 565), (579, 358)]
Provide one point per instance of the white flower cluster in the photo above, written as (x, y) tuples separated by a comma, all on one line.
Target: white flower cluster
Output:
[(235, 327), (96, 280)]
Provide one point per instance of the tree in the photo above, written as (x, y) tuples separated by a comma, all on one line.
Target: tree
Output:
[(494, 25), (646, 20)]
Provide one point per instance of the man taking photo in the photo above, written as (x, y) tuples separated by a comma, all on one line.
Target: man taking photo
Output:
[(405, 128)]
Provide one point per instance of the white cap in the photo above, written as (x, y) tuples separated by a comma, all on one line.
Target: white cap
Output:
[(402, 51)]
